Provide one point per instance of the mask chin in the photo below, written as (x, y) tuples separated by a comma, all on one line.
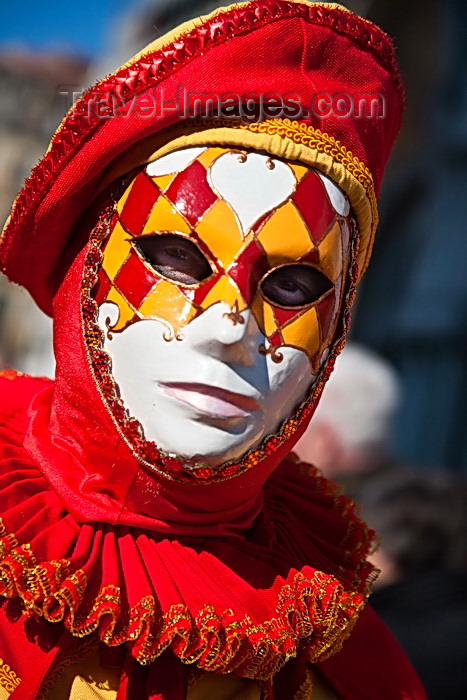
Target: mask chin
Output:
[(210, 396)]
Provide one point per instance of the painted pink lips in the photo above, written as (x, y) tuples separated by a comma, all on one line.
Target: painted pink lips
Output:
[(211, 400)]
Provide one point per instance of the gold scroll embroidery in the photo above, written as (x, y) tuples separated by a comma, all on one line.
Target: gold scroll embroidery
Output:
[(9, 681)]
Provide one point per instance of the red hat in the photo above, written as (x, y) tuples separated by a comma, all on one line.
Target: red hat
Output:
[(326, 92)]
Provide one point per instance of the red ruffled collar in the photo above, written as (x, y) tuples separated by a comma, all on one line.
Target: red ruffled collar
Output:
[(245, 603)]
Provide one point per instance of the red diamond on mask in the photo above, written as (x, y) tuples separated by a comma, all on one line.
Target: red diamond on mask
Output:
[(140, 201), (134, 280), (191, 193), (247, 270), (312, 202)]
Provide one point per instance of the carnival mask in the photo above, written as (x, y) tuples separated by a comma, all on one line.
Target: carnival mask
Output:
[(219, 293)]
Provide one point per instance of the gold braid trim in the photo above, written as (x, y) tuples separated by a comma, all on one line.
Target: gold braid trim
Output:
[(315, 614), (317, 140)]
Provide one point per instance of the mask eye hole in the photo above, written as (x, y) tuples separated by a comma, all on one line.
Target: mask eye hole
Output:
[(174, 257), (294, 286)]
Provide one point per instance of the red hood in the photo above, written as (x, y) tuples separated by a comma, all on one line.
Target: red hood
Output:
[(107, 471)]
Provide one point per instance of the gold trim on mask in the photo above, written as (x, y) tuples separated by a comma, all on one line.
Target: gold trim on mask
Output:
[(170, 465)]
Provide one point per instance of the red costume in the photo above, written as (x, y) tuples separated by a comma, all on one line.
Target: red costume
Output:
[(255, 567)]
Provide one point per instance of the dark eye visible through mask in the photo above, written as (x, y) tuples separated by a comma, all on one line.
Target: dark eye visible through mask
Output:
[(294, 285), (174, 257)]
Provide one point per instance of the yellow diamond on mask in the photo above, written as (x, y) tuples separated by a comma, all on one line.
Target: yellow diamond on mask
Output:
[(167, 302), (164, 217), (220, 232), (258, 307), (209, 156), (299, 170), (264, 316), (116, 251), (163, 181), (270, 323), (330, 253), (126, 313), (224, 290), (285, 236), (304, 333)]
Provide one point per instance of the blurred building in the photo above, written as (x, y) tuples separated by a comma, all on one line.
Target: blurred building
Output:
[(413, 302), (31, 107)]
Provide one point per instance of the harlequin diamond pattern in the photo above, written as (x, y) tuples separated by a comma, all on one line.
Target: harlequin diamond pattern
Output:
[(300, 229)]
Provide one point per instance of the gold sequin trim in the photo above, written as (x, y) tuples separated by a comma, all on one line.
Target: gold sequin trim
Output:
[(147, 452)]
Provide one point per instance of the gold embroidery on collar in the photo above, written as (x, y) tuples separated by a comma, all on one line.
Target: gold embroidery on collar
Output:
[(9, 681)]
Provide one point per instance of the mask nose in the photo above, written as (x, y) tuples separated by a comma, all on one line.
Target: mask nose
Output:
[(226, 333)]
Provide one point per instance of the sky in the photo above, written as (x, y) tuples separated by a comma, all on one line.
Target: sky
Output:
[(80, 26)]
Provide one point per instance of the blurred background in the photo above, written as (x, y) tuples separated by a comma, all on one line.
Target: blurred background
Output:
[(401, 449)]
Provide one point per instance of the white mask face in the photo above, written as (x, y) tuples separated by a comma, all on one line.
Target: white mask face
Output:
[(219, 293), (210, 396)]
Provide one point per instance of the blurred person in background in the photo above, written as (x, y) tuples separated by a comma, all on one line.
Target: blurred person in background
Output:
[(349, 436)]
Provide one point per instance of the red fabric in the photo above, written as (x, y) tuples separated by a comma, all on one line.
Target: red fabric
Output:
[(238, 577), (270, 45)]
